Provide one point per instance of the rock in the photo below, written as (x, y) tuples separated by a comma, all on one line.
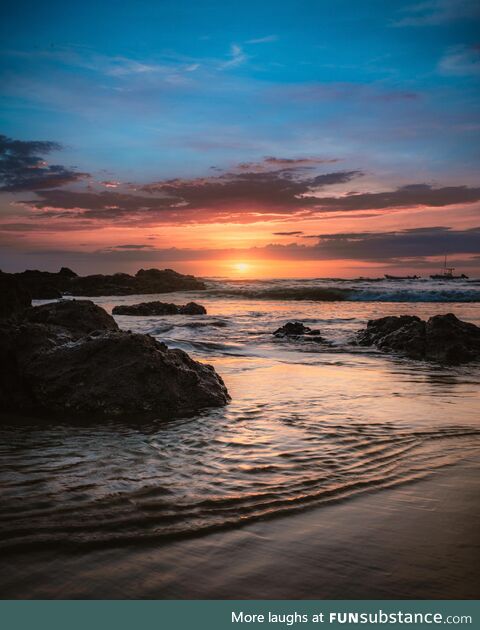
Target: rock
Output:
[(98, 284), (44, 285), (14, 297), (166, 280), (379, 328), (146, 309), (159, 309), (297, 330), (443, 338), (70, 358), (450, 340), (79, 317), (192, 308), (66, 271), (404, 334), (118, 373)]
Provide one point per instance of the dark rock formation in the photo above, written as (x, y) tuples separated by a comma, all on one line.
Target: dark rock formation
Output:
[(450, 340), (298, 331), (14, 298), (166, 280), (159, 308), (192, 308), (69, 358), (66, 271), (44, 285), (79, 317), (443, 338), (118, 373)]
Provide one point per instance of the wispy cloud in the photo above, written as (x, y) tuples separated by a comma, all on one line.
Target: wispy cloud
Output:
[(436, 12), (237, 57), (461, 61), (263, 40)]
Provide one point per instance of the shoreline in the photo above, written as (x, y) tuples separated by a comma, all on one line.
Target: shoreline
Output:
[(419, 540)]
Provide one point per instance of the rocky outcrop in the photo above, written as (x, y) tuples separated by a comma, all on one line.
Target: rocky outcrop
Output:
[(298, 331), (166, 280), (44, 285), (70, 359), (145, 281), (14, 298), (118, 373), (78, 317), (159, 308), (443, 338)]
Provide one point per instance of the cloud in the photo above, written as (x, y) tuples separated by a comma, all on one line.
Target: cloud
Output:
[(386, 246), (293, 233), (437, 12), (132, 247), (410, 196), (263, 40), (461, 61), (270, 162), (414, 247), (22, 166), (238, 197), (237, 57)]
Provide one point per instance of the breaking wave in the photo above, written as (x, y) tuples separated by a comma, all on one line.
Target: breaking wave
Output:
[(339, 294)]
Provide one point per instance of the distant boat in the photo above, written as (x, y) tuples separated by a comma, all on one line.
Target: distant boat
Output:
[(447, 273), (401, 277)]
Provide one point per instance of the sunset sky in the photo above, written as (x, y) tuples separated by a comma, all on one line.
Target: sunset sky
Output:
[(248, 139)]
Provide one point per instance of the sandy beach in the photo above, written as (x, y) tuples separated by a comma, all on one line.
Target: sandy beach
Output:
[(418, 540)]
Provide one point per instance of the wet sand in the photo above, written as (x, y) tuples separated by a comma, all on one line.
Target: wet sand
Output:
[(419, 540)]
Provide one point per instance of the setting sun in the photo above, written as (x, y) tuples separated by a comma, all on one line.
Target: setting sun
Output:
[(242, 267)]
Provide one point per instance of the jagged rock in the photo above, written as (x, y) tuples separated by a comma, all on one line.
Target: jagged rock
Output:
[(377, 329), (443, 338), (159, 308), (77, 316), (297, 331), (70, 358), (14, 297)]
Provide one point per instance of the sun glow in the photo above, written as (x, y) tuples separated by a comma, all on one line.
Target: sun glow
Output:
[(242, 267)]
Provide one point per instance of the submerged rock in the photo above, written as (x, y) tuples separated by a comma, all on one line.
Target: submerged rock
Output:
[(14, 296), (297, 330), (44, 285), (443, 338), (159, 308), (70, 358)]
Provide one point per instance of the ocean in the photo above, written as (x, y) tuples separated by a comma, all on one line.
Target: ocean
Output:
[(308, 425)]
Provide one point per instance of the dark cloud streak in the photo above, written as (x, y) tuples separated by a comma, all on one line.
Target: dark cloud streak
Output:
[(22, 166)]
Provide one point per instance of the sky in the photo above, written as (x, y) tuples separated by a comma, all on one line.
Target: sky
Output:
[(287, 138)]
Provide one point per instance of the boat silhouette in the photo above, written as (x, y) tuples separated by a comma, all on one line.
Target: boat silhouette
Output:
[(447, 273)]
